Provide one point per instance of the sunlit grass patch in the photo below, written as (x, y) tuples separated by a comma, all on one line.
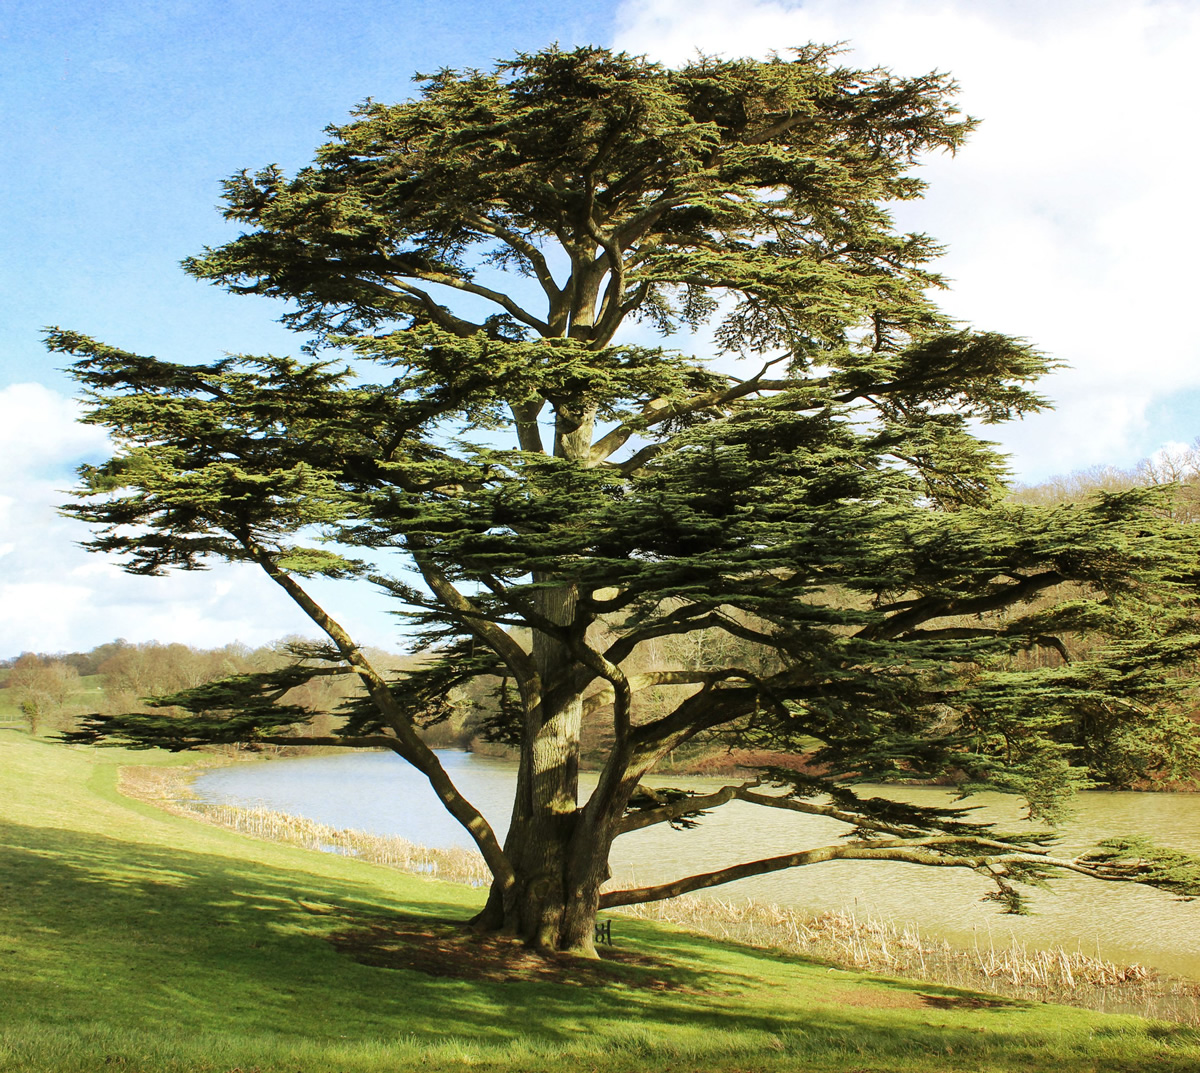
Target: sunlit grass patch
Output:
[(132, 940)]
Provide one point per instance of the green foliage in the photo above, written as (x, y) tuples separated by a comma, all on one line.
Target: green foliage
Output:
[(1170, 870), (586, 148), (524, 474), (243, 708)]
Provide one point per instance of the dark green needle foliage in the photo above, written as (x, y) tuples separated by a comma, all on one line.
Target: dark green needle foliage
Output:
[(793, 540)]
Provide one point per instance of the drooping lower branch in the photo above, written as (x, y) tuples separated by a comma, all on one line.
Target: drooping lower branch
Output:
[(908, 614), (994, 865), (361, 741)]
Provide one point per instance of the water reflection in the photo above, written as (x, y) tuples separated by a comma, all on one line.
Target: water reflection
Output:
[(378, 792)]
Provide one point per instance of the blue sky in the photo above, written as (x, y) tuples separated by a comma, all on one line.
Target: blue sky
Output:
[(123, 118), (1066, 218)]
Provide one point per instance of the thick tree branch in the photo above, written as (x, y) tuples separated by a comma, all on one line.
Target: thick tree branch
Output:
[(361, 741), (627, 233), (963, 633), (639, 460), (776, 129), (619, 691), (931, 607), (669, 813), (710, 707), (682, 621), (408, 743), (913, 852), (472, 618), (638, 682), (523, 246), (415, 301), (1048, 641), (468, 286), (659, 410), (611, 308), (525, 418)]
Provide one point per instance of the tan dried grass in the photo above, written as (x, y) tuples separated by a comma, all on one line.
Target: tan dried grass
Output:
[(871, 944)]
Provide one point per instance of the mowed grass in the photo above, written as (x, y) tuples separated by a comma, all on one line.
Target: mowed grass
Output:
[(131, 940)]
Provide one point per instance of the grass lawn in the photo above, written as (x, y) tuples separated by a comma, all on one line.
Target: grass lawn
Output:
[(134, 940), (10, 711)]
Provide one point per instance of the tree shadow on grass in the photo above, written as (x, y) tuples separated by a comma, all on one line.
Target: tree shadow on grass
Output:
[(450, 948), (103, 931), (181, 933)]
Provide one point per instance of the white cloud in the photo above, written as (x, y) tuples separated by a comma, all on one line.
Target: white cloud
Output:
[(1068, 215), (58, 597), (40, 428)]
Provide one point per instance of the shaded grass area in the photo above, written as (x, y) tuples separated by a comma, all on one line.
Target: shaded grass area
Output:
[(135, 940)]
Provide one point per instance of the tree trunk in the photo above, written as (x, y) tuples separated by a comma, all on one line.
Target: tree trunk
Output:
[(559, 872), (559, 858), (561, 866), (558, 852)]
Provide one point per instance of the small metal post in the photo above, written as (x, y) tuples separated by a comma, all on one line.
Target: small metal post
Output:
[(604, 932)]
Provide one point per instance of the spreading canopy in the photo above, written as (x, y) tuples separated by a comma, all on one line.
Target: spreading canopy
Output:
[(555, 507)]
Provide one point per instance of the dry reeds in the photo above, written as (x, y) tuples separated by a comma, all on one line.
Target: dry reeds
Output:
[(874, 945), (454, 864), (168, 789)]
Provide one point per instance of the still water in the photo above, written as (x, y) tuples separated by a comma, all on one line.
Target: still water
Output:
[(378, 792)]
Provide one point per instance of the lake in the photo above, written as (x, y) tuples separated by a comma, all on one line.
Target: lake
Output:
[(380, 793)]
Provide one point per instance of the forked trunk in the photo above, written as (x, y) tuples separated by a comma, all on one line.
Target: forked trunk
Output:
[(558, 852)]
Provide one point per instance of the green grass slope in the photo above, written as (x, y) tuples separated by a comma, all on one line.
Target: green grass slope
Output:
[(134, 940)]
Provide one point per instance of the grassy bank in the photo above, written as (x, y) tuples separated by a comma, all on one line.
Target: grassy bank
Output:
[(845, 938), (133, 939)]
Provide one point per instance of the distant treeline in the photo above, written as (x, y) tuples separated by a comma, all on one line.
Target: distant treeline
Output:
[(86, 664), (51, 690), (1176, 472)]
